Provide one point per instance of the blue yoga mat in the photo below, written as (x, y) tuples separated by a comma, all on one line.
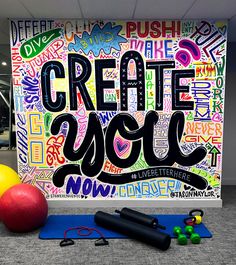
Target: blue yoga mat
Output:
[(57, 224)]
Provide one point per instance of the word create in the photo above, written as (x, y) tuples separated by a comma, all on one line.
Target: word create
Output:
[(79, 82)]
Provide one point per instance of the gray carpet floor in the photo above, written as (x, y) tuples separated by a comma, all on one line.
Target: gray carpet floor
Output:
[(221, 249)]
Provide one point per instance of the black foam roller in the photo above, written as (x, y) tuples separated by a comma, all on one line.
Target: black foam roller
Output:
[(138, 217), (133, 230)]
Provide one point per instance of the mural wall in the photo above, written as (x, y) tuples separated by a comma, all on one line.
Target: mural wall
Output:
[(120, 109)]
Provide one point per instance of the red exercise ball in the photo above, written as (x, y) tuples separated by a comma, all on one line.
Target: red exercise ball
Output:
[(23, 208)]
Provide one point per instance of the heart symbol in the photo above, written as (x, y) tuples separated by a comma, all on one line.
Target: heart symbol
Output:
[(222, 30), (187, 187), (183, 57), (125, 46), (121, 146), (216, 117), (116, 54)]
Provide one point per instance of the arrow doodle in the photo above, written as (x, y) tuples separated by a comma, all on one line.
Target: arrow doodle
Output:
[(214, 152)]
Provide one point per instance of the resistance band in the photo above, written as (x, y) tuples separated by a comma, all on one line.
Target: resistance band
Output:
[(68, 241)]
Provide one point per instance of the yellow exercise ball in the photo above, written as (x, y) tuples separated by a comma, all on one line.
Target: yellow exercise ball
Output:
[(8, 178)]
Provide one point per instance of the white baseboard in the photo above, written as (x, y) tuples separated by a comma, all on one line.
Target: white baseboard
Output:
[(135, 203)]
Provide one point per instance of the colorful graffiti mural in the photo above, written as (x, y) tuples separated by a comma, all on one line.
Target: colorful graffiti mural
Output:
[(120, 109)]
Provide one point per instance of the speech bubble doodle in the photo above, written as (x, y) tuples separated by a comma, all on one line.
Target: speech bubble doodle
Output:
[(100, 39), (36, 45)]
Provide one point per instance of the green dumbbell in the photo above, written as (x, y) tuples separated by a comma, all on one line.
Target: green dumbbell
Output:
[(194, 237), (182, 239)]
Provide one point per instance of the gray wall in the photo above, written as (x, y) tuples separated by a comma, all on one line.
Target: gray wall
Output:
[(229, 157), (9, 158)]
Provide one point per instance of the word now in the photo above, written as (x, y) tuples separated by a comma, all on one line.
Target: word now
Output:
[(87, 186)]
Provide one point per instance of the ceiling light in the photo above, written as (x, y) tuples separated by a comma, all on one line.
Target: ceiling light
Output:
[(4, 63)]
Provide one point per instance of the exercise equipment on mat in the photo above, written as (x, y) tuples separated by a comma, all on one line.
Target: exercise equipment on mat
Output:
[(140, 218), (181, 238), (197, 216), (133, 230), (194, 237), (23, 208), (56, 225), (68, 241), (190, 220)]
